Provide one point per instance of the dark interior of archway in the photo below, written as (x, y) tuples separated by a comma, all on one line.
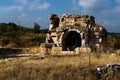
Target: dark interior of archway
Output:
[(71, 40)]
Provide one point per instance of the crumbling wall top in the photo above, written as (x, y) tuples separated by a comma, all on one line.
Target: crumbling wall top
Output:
[(76, 20)]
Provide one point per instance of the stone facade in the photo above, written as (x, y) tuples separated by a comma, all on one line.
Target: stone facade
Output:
[(91, 34)]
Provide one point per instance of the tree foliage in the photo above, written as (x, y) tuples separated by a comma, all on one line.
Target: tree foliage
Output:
[(12, 35), (36, 28), (114, 40)]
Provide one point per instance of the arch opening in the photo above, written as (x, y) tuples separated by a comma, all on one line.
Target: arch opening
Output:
[(70, 40)]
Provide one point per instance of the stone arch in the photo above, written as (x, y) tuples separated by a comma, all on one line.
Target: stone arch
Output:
[(70, 40)]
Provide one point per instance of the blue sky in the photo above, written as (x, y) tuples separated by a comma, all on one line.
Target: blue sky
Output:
[(26, 12)]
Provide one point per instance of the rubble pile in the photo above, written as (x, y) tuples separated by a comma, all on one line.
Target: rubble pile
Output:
[(108, 72)]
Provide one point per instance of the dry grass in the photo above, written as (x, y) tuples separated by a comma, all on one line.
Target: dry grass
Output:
[(55, 67)]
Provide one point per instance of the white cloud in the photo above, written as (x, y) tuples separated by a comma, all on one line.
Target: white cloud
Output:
[(39, 18), (117, 1), (43, 6), (75, 6), (95, 5), (116, 10), (11, 8), (112, 25), (113, 12), (74, 2), (18, 8), (39, 6), (87, 3), (23, 15), (106, 12), (33, 4), (23, 2)]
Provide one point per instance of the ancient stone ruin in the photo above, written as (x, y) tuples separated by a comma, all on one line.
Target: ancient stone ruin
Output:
[(71, 31), (108, 72)]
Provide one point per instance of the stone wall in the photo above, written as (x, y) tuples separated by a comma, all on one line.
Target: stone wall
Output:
[(92, 35)]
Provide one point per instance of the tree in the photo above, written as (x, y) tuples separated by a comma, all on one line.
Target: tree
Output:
[(36, 28)]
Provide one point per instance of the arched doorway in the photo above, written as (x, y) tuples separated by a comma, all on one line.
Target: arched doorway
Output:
[(70, 40)]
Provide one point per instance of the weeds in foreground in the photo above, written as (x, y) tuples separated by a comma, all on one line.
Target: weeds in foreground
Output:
[(56, 68)]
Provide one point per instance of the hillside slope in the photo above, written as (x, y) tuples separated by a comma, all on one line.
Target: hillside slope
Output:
[(12, 35)]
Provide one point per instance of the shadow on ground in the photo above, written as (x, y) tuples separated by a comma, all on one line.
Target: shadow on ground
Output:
[(10, 53)]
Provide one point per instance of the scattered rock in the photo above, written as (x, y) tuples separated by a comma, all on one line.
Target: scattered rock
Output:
[(108, 72)]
